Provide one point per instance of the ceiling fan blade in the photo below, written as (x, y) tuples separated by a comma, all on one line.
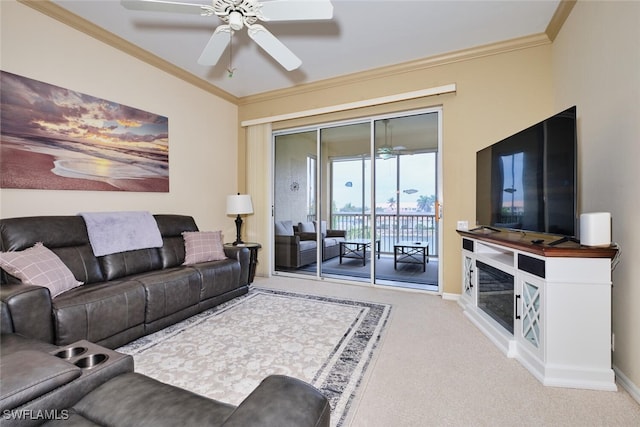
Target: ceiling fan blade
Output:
[(274, 47), (295, 10), (216, 46), (168, 6)]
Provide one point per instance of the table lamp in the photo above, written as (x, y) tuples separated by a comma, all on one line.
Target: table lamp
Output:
[(239, 204)]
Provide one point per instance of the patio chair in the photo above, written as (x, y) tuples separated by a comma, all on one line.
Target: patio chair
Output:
[(294, 249), (330, 238)]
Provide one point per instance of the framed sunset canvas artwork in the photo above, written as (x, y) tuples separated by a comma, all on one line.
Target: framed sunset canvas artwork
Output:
[(58, 139)]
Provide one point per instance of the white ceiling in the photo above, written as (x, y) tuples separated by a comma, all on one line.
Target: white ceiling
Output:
[(363, 35)]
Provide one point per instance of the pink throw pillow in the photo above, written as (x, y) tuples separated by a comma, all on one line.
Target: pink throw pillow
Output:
[(202, 246), (39, 266)]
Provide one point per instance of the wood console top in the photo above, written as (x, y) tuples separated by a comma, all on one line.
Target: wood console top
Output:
[(523, 242)]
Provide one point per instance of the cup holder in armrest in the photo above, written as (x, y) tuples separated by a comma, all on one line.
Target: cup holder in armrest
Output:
[(92, 358), (70, 352), (91, 361)]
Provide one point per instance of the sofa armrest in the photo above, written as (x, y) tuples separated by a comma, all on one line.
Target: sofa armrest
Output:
[(307, 235), (336, 233), (280, 400), (287, 240), (26, 310), (243, 256), (29, 374)]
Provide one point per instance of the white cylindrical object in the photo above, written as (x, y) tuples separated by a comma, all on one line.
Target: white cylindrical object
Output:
[(595, 229)]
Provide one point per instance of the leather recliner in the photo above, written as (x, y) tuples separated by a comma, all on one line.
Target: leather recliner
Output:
[(43, 384)]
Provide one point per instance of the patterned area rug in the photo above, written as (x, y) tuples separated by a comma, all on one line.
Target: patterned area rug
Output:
[(225, 352)]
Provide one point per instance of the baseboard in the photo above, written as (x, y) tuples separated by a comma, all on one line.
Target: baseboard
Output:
[(450, 297), (579, 377), (627, 384)]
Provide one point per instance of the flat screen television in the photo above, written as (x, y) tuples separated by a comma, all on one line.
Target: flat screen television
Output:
[(527, 181)]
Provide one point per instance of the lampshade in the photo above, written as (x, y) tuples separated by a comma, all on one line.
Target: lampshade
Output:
[(238, 204)]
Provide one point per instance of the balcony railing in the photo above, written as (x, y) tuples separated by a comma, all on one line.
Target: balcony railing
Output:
[(389, 228)]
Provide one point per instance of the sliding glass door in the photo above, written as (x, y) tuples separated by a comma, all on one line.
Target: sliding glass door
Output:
[(357, 200), (346, 191), (295, 202), (406, 195)]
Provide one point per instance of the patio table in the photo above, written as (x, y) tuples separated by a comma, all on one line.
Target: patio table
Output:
[(357, 248), (409, 252)]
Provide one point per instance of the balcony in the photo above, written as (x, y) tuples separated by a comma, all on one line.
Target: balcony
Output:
[(389, 228)]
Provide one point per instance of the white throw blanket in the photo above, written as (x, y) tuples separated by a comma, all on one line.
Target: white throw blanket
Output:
[(112, 232)]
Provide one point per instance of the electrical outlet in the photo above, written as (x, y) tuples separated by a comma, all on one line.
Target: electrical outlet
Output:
[(463, 225)]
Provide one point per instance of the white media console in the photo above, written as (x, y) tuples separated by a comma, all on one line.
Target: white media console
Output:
[(549, 307)]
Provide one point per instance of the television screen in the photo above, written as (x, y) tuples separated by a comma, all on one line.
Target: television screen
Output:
[(528, 181)]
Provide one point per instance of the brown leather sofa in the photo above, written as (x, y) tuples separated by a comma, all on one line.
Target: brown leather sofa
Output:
[(125, 295), (57, 366)]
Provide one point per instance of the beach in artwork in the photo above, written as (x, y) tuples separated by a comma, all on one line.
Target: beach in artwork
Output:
[(53, 138)]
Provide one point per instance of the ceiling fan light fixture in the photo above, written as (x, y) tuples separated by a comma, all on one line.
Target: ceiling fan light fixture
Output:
[(385, 152), (236, 20)]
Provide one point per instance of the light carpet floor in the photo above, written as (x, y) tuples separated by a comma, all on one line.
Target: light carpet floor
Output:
[(225, 352), (434, 368)]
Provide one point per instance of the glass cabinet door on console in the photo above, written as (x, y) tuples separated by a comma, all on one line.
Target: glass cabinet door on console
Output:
[(529, 314), (468, 280), (468, 296)]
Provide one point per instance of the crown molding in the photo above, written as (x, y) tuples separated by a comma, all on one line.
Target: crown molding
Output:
[(403, 68), (72, 20)]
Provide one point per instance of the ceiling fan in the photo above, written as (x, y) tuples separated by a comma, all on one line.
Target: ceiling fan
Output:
[(237, 14), (388, 150)]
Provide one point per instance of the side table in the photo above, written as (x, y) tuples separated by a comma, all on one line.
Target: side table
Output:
[(253, 259)]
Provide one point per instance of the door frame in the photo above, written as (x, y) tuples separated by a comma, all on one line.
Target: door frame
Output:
[(320, 202)]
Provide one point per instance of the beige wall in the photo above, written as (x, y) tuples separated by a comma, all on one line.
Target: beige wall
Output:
[(496, 96), (202, 136), (596, 65)]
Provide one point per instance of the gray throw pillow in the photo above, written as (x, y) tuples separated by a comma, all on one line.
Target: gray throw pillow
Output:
[(283, 228), (306, 227), (323, 227)]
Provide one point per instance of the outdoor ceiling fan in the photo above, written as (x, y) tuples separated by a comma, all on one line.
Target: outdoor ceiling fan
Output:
[(237, 14), (388, 150)]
